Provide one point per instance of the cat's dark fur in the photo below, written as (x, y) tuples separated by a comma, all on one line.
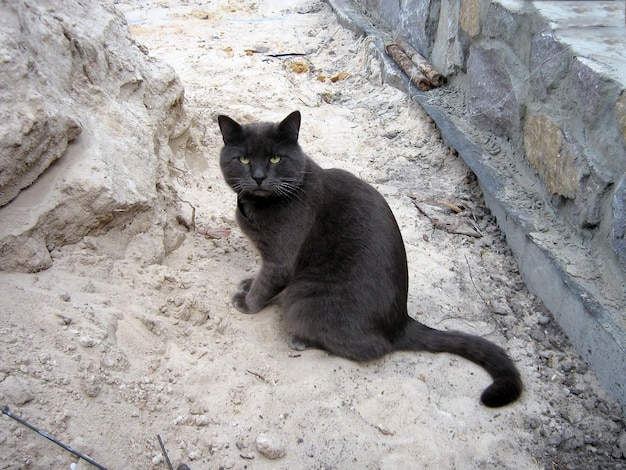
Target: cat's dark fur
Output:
[(333, 256)]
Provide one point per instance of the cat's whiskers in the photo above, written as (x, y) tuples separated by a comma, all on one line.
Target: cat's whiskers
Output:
[(289, 190), (239, 186)]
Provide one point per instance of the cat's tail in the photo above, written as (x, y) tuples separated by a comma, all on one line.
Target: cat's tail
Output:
[(507, 383)]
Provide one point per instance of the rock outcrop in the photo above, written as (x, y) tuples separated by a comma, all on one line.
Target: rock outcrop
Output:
[(85, 124)]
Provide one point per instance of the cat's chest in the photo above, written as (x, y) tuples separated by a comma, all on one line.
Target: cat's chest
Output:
[(277, 231), (265, 217)]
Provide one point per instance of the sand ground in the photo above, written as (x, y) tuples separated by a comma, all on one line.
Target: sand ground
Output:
[(105, 351)]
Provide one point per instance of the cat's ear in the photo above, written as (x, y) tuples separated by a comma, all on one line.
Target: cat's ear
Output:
[(231, 130), (290, 126)]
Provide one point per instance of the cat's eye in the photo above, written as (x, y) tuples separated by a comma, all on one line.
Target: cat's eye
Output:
[(275, 159), (245, 160)]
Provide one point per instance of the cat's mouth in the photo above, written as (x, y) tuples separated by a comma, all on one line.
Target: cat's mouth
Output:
[(260, 192)]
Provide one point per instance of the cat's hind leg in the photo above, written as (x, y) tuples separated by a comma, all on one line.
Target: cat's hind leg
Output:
[(358, 351), (297, 343), (357, 347)]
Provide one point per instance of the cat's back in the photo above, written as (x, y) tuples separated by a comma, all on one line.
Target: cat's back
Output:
[(354, 255), (354, 225), (356, 201)]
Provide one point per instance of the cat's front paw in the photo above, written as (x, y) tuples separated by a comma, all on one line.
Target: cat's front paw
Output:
[(245, 285), (239, 302), (239, 297)]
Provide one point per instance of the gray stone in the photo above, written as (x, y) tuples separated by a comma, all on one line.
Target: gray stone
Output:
[(415, 19), (492, 100), (593, 98), (544, 320), (419, 22), (620, 114), (510, 23), (586, 211), (572, 439), (618, 228), (621, 442), (588, 91), (448, 55), (549, 62)]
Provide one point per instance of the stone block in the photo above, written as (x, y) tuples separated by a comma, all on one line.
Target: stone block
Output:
[(590, 97), (418, 20), (620, 115), (589, 88), (509, 24), (618, 225), (551, 156), (492, 100), (565, 171), (415, 19), (447, 55), (585, 211), (470, 17), (550, 61)]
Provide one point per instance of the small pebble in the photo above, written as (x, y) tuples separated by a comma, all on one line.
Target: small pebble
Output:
[(544, 320), (17, 390), (500, 308), (202, 420), (546, 354), (617, 453), (270, 448), (538, 335), (87, 342), (621, 442)]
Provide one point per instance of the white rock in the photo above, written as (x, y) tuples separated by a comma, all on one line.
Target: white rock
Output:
[(99, 108), (270, 447), (17, 390)]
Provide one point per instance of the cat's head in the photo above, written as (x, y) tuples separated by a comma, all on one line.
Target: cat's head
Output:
[(262, 159)]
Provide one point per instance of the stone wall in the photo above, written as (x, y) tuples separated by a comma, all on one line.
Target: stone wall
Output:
[(559, 113), (85, 121)]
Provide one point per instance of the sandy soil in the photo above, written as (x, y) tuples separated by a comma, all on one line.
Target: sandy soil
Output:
[(105, 351)]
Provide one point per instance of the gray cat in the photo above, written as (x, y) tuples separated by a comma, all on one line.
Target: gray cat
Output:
[(333, 257)]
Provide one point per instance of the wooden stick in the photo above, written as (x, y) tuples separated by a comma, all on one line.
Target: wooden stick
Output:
[(406, 64), (435, 78), (450, 206)]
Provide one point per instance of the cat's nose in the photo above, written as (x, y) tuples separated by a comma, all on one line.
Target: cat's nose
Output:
[(259, 177)]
